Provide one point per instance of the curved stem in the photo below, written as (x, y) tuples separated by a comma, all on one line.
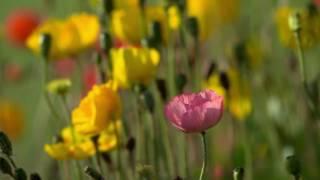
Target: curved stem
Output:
[(204, 163)]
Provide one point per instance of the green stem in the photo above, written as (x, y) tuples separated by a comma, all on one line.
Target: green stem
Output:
[(247, 151), (296, 177), (204, 162)]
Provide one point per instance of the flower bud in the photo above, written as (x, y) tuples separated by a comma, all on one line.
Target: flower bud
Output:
[(45, 44), (105, 42), (238, 174), (59, 86), (155, 33), (148, 100), (131, 144), (224, 80), (5, 167), (93, 173), (107, 6), (106, 157), (181, 81), (293, 165), (142, 4), (193, 27), (5, 144), (161, 85), (212, 69), (35, 176), (20, 174), (294, 22)]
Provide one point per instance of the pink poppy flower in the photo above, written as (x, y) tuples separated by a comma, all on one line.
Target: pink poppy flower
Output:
[(195, 112)]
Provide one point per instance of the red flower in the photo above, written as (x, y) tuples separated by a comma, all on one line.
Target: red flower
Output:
[(20, 24)]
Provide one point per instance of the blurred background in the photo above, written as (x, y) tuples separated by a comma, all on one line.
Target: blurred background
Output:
[(277, 122)]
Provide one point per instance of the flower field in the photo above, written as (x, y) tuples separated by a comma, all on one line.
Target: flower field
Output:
[(159, 90)]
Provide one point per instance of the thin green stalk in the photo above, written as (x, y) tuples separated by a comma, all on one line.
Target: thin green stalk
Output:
[(163, 132), (46, 95), (247, 151), (197, 68), (171, 67), (204, 162)]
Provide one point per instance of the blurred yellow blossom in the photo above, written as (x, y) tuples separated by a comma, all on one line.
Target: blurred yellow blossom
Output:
[(237, 96), (134, 65), (11, 119), (212, 14), (68, 36), (310, 27), (128, 24), (97, 110), (71, 146), (108, 138), (174, 18)]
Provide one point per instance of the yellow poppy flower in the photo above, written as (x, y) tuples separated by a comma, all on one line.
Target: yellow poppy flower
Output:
[(11, 119), (68, 36), (127, 24), (99, 108), (212, 14), (108, 138), (310, 27), (89, 33), (237, 98), (134, 65), (72, 146), (174, 18), (64, 37)]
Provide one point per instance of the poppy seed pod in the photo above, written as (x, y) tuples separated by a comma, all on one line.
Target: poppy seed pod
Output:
[(193, 27), (5, 144), (105, 42), (238, 174), (45, 45), (293, 165), (294, 22), (93, 173), (5, 167)]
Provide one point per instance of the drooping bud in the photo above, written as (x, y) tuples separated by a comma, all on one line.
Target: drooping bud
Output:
[(181, 81), (131, 144), (20, 174), (59, 86), (105, 42), (148, 100), (35, 176), (224, 80), (212, 69), (294, 22), (5, 144), (107, 6), (155, 33), (5, 166), (93, 173), (293, 165), (238, 174), (193, 27), (45, 45)]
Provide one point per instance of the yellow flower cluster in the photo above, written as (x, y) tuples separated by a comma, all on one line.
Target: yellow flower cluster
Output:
[(212, 14), (69, 36), (310, 27), (128, 23), (100, 108), (73, 145), (237, 97), (134, 65), (11, 119)]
